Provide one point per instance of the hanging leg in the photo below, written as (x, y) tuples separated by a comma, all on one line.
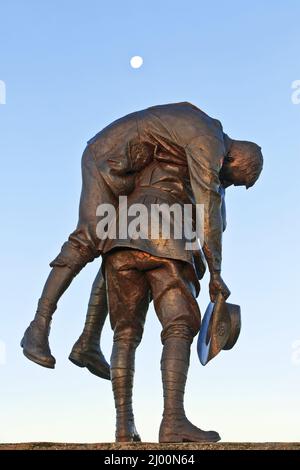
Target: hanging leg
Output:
[(86, 351)]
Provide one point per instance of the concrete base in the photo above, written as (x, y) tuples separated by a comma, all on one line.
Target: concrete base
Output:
[(154, 446)]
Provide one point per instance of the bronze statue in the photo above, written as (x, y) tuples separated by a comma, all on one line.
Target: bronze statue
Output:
[(168, 154)]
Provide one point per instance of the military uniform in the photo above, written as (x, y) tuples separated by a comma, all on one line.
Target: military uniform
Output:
[(165, 154)]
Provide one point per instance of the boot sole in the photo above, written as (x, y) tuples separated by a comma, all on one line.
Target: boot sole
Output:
[(37, 360), (81, 361), (174, 438), (134, 438)]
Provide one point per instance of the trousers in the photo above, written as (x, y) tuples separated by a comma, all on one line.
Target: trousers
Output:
[(133, 277)]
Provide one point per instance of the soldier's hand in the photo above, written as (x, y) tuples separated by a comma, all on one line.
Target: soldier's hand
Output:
[(216, 286)]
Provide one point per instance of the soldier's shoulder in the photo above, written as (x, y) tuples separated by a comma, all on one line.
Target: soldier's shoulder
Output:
[(178, 107), (186, 110), (115, 129)]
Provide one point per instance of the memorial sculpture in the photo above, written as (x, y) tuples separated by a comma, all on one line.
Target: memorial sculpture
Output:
[(168, 156)]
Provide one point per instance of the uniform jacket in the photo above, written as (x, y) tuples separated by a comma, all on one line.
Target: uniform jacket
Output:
[(168, 153)]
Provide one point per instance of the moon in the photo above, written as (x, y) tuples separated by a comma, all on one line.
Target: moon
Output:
[(136, 61)]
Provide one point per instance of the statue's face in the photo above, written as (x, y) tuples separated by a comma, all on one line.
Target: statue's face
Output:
[(231, 173), (242, 165)]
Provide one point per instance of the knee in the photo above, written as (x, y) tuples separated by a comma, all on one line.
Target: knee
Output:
[(128, 334), (73, 256), (182, 331), (179, 315)]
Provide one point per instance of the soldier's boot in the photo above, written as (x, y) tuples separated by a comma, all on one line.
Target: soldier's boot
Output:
[(122, 372), (67, 264), (35, 341), (86, 351), (175, 427)]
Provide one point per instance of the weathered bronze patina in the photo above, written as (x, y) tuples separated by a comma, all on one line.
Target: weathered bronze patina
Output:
[(172, 154)]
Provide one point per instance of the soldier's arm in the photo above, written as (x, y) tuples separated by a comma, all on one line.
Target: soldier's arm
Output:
[(223, 208), (204, 156)]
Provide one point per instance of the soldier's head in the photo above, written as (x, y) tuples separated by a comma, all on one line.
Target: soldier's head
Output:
[(242, 165)]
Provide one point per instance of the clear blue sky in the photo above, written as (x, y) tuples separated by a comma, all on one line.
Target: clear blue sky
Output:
[(67, 74)]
